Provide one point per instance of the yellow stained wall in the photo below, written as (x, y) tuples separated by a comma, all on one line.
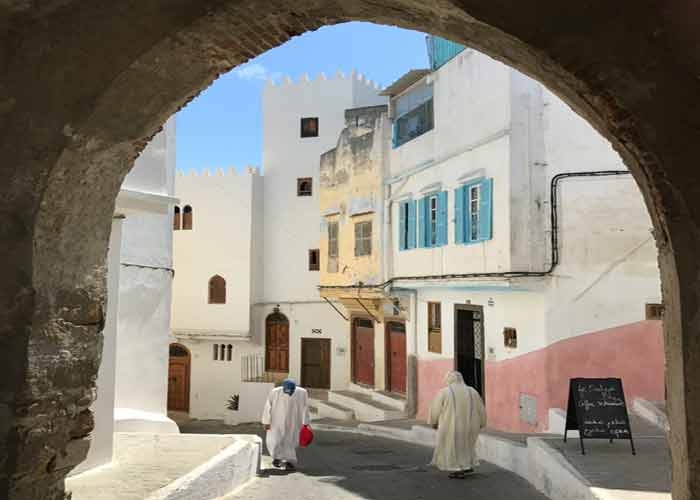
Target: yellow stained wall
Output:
[(351, 192)]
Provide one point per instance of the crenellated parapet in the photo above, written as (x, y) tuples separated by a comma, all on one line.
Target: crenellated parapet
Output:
[(286, 82)]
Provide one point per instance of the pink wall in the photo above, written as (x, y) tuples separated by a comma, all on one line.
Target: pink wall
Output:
[(431, 378), (632, 352)]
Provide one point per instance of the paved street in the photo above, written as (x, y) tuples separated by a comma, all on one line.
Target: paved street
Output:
[(343, 466)]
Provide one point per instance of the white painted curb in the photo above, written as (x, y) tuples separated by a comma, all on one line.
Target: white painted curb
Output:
[(651, 413), (230, 469)]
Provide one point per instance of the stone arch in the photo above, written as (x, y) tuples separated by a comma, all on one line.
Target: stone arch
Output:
[(107, 85)]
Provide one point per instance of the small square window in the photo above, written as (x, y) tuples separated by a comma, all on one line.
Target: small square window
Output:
[(304, 186), (309, 127), (314, 264), (654, 311), (363, 238), (510, 338)]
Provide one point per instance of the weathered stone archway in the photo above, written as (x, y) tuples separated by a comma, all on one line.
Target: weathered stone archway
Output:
[(85, 84)]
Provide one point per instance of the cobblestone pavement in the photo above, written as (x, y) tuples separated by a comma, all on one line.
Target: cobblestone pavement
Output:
[(342, 466)]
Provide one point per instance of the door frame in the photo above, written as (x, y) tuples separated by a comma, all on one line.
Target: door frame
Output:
[(387, 356), (188, 372), (353, 361), (330, 360), (479, 309)]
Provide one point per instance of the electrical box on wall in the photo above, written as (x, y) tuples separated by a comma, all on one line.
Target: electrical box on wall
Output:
[(528, 409)]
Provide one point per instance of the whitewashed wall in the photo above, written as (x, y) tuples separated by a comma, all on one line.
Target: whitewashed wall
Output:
[(221, 242), (608, 259), (212, 382), (291, 223), (475, 119), (145, 288)]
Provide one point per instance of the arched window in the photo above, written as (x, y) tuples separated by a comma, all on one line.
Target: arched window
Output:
[(277, 342), (176, 218), (187, 217), (229, 350), (217, 290)]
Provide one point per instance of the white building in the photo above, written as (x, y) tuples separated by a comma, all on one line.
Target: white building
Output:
[(476, 148), (132, 384), (259, 234)]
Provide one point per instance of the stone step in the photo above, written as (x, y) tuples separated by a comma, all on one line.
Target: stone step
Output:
[(394, 400), (365, 407), (329, 409)]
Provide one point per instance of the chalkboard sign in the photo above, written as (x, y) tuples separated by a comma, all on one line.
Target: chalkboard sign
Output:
[(597, 410)]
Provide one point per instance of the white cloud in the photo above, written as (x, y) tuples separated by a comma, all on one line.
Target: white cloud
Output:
[(255, 71)]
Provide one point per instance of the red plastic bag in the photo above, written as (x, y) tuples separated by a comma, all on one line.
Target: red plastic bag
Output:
[(306, 435)]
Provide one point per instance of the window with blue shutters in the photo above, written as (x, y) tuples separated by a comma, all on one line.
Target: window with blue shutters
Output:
[(473, 211), (432, 220), (407, 225)]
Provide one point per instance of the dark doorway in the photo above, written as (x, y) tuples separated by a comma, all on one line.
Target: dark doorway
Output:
[(396, 356), (179, 379), (469, 345), (316, 363), (363, 351)]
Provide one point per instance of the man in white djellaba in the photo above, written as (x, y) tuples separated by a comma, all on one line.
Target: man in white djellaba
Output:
[(286, 411), (458, 414)]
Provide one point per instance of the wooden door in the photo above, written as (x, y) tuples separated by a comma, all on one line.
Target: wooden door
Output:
[(179, 379), (277, 344), (316, 363), (396, 356), (363, 351)]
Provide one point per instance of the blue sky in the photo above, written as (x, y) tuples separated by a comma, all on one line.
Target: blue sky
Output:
[(222, 126)]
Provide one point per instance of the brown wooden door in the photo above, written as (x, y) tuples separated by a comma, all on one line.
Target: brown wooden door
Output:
[(316, 363), (396, 356), (363, 351), (179, 379), (277, 346)]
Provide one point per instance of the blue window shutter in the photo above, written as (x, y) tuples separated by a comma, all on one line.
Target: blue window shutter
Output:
[(402, 225), (411, 243), (485, 209), (441, 237), (422, 221), (459, 214), (395, 135)]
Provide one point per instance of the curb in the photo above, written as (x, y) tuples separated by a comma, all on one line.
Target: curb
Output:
[(229, 470), (651, 413)]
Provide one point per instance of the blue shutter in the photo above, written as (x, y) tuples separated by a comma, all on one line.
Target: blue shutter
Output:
[(422, 220), (459, 214), (395, 135), (441, 237), (411, 243), (485, 209), (402, 225)]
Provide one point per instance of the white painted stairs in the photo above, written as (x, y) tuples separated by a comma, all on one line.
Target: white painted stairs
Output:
[(357, 403)]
